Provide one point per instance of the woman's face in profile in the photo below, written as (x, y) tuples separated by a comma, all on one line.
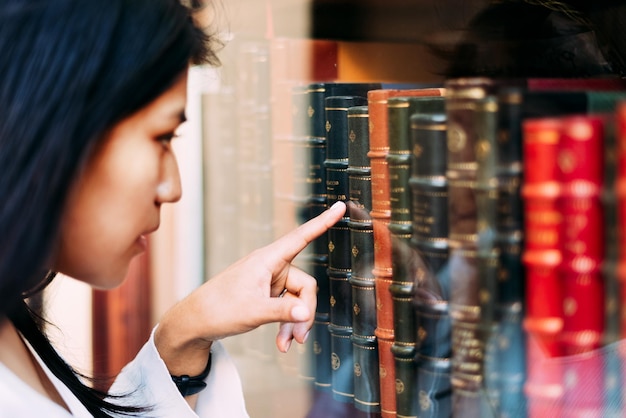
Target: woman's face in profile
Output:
[(117, 199)]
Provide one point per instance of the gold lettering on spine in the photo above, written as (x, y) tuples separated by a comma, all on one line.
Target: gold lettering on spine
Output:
[(335, 361), (456, 138), (570, 306), (566, 161), (482, 149), (399, 386)]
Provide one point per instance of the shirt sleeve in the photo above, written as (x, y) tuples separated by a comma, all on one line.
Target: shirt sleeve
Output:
[(146, 382)]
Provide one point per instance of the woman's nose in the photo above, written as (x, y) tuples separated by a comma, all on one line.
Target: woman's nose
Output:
[(169, 189)]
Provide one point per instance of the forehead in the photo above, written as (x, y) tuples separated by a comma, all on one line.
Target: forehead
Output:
[(168, 107)]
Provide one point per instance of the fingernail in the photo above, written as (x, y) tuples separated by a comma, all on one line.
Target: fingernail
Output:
[(338, 205), (287, 345), (306, 336), (299, 313)]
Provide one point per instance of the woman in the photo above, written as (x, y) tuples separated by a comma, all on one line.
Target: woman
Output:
[(91, 94)]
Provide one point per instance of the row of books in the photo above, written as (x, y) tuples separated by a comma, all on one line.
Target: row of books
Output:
[(473, 273)]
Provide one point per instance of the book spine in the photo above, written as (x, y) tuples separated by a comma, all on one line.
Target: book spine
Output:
[(509, 305), (432, 284), (339, 266), (309, 145), (362, 280), (580, 162), (541, 256), (380, 213), (403, 348), (472, 258), (488, 253), (615, 204), (620, 193)]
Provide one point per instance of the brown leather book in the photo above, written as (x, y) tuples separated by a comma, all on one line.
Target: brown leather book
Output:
[(380, 213), (471, 111)]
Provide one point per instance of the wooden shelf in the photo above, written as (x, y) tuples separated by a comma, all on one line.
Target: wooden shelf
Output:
[(389, 20)]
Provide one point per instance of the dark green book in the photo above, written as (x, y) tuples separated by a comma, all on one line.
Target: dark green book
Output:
[(309, 143), (429, 191), (339, 248), (403, 258), (362, 279)]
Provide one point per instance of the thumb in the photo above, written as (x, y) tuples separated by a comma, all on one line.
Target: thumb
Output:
[(287, 309), (295, 317)]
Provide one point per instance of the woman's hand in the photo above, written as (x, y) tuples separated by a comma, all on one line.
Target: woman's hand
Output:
[(245, 296)]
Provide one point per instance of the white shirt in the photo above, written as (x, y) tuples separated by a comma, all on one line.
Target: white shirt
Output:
[(149, 383)]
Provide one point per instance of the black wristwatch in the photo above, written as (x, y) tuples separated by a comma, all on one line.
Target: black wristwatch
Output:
[(190, 385)]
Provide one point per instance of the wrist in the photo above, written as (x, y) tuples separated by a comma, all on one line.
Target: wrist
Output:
[(191, 385), (182, 353)]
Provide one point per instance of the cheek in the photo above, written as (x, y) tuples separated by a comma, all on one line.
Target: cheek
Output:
[(99, 235)]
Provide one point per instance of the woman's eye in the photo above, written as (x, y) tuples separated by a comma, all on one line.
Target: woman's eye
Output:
[(167, 138)]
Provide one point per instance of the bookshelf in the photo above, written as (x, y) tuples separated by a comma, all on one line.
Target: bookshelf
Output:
[(273, 47)]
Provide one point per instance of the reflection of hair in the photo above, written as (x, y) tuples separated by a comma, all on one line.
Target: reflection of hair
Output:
[(530, 38), (71, 69)]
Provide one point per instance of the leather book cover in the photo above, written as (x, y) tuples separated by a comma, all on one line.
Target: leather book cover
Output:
[(620, 195), (542, 257), (615, 263), (469, 262), (362, 280), (380, 214), (488, 252), (398, 158), (399, 110), (309, 127), (430, 241), (309, 147), (509, 228), (581, 170), (339, 248)]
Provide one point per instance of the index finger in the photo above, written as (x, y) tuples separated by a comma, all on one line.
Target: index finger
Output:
[(292, 243)]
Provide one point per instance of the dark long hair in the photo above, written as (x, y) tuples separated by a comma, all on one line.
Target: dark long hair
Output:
[(69, 70)]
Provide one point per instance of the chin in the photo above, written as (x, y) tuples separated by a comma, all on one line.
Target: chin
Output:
[(102, 281), (111, 281)]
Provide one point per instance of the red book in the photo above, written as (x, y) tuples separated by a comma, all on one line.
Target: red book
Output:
[(581, 170), (580, 162), (381, 213), (597, 84), (620, 192), (542, 257), (564, 251)]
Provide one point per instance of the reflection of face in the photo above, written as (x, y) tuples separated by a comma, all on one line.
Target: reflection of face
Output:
[(117, 198)]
